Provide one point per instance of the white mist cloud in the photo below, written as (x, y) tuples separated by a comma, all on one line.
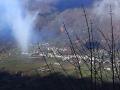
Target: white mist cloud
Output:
[(102, 8), (19, 21)]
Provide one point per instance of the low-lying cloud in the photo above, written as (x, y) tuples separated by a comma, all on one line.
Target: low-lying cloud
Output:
[(19, 21), (102, 8)]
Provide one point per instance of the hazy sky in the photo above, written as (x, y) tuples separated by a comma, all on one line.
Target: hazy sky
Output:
[(64, 4)]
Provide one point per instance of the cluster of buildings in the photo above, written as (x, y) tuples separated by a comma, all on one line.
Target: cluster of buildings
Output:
[(64, 54)]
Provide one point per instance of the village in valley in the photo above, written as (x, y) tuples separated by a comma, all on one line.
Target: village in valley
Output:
[(64, 55)]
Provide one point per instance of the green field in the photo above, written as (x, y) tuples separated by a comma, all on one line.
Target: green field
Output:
[(37, 66), (30, 65)]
